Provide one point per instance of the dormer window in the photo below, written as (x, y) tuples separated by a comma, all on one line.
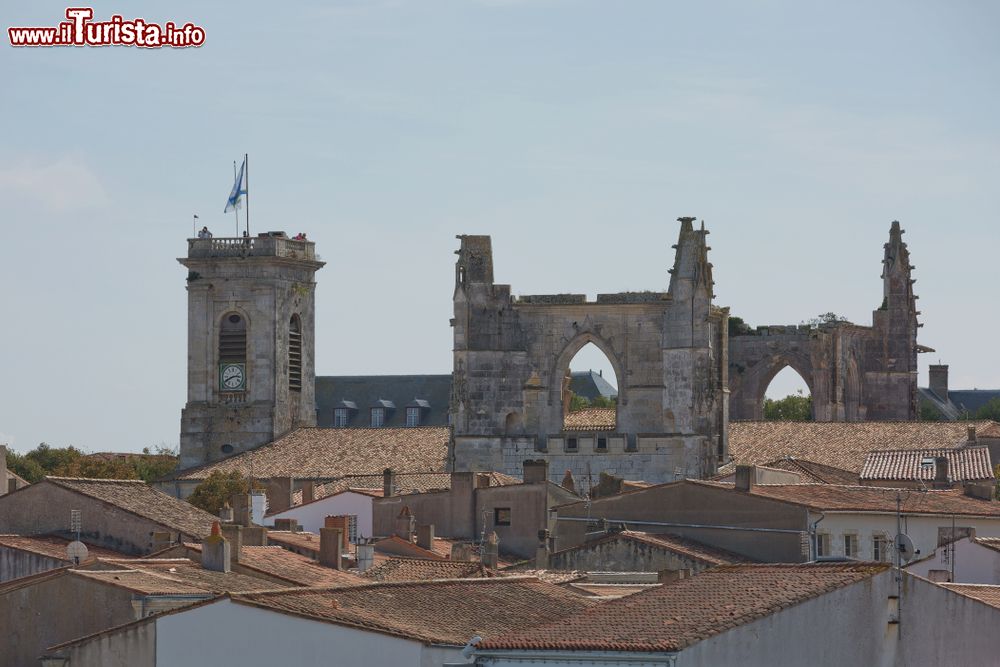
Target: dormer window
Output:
[(416, 411), (340, 417), (381, 411), (413, 416), (378, 417)]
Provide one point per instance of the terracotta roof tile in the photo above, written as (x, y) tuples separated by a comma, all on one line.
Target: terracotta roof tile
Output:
[(671, 617), (422, 569), (291, 567), (176, 577), (318, 453), (405, 483), (302, 541), (682, 546), (137, 497), (446, 612), (966, 464), (838, 498), (841, 445), (982, 592), (989, 542), (808, 471), (591, 419), (610, 591), (53, 546)]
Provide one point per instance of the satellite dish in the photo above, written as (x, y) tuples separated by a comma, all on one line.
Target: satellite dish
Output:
[(77, 552), (904, 546)]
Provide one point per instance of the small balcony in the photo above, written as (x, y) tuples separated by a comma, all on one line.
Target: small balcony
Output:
[(271, 244)]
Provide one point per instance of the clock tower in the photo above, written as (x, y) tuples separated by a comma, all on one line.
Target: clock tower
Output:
[(251, 350)]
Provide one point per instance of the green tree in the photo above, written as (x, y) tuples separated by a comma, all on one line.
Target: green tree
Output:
[(217, 489), (796, 407), (826, 318), (929, 413), (990, 411), (159, 462), (737, 327)]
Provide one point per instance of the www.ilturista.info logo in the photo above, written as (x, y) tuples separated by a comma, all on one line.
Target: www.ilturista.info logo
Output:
[(80, 30)]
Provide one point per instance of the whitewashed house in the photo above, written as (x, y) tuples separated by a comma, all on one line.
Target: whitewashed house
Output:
[(969, 560)]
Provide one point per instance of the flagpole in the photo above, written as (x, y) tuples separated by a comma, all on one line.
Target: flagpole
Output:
[(236, 209), (246, 173)]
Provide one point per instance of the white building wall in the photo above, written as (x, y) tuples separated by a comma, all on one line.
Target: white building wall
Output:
[(973, 563), (226, 633), (923, 530), (310, 516)]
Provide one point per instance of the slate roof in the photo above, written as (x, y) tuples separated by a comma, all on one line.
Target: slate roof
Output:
[(422, 569), (809, 471), (983, 592), (966, 464), (959, 403), (335, 453), (672, 617), (590, 419), (841, 445), (673, 543), (842, 498), (447, 612), (590, 384), (365, 391), (278, 562), (137, 497), (53, 546)]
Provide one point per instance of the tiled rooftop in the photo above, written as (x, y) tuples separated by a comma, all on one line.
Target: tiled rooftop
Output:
[(334, 453), (982, 592), (674, 616), (590, 419), (291, 567), (679, 545), (137, 497), (966, 464), (405, 483), (421, 569), (176, 577), (52, 546), (302, 541), (446, 612), (841, 445), (808, 471), (835, 497)]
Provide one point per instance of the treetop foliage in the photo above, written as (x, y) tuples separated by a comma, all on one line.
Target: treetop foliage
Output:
[(70, 461)]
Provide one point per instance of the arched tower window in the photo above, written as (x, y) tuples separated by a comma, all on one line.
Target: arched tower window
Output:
[(295, 354), (233, 339)]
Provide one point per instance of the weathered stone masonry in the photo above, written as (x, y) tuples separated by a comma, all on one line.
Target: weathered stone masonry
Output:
[(669, 351)]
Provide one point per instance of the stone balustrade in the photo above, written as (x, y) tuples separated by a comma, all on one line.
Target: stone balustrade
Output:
[(252, 246)]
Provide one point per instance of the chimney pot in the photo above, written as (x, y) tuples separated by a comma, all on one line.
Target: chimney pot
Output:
[(330, 541), (343, 523), (366, 556), (215, 551)]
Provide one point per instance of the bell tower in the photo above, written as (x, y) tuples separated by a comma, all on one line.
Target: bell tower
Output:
[(251, 348)]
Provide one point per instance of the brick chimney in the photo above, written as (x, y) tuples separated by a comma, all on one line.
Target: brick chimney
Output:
[(330, 541), (343, 523), (536, 471), (4, 488), (746, 477), (308, 491), (941, 480), (234, 534), (491, 551), (215, 551), (425, 536), (404, 524), (388, 482), (938, 374)]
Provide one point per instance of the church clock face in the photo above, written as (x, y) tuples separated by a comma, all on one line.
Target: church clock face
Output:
[(232, 377)]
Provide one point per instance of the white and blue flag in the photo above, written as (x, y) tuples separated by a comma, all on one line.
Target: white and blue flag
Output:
[(239, 188)]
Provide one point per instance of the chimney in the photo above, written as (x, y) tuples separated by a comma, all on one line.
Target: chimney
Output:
[(226, 514), (4, 488), (241, 508), (366, 557), (388, 482), (255, 536), (536, 471), (941, 480), (938, 374), (288, 523), (308, 491), (234, 534), (279, 494), (542, 551), (461, 551), (215, 551), (491, 551), (745, 478), (980, 491), (425, 536), (404, 524), (972, 435), (330, 541), (343, 523)]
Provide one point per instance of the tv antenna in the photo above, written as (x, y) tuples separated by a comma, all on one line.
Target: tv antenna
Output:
[(76, 551)]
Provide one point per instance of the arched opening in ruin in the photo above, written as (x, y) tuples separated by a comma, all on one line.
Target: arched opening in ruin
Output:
[(788, 397), (589, 392)]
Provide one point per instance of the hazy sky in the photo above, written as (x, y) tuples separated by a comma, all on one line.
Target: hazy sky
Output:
[(572, 132)]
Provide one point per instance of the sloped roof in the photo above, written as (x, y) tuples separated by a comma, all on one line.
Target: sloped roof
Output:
[(983, 592), (675, 544), (367, 391), (842, 498), (809, 471), (137, 497), (422, 569), (590, 384), (670, 618), (406, 483), (333, 453), (445, 612), (966, 464), (175, 576), (276, 561), (590, 419), (841, 445), (53, 546)]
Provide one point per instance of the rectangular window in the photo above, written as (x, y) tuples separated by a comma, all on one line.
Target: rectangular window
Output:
[(413, 416), (352, 528), (851, 546), (602, 444), (880, 548), (501, 516), (340, 417), (822, 545), (378, 417), (572, 444)]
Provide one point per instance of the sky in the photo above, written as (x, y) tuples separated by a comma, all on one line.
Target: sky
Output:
[(574, 133)]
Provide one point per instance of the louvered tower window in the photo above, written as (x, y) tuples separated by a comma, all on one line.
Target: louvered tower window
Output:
[(233, 339), (295, 354)]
